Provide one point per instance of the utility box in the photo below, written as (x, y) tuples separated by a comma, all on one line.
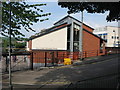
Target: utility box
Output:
[(67, 61)]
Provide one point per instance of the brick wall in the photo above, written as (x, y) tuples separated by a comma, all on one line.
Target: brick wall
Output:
[(87, 28), (90, 42), (30, 44)]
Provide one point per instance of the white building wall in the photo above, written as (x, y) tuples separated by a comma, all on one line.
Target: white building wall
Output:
[(56, 40), (27, 46), (112, 37)]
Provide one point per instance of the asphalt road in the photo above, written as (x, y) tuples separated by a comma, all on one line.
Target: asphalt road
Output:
[(103, 74)]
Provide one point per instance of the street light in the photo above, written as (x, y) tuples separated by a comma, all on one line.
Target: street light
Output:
[(0, 44), (10, 80), (114, 37), (81, 37)]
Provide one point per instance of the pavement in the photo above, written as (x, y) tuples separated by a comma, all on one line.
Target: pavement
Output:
[(95, 59), (99, 68)]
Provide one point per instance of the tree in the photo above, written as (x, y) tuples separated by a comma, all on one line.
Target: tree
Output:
[(4, 45), (94, 7), (20, 45), (16, 45), (23, 15)]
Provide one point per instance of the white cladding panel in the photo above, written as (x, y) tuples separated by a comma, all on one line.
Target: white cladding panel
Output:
[(27, 47), (56, 40)]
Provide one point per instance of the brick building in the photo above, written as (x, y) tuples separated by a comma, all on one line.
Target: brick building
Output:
[(63, 40)]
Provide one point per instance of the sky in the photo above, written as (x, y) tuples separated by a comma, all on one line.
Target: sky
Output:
[(57, 13)]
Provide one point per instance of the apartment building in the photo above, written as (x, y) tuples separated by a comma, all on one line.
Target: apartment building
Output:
[(109, 33)]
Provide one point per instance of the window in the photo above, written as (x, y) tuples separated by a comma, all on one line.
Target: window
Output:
[(68, 33), (68, 45), (76, 32), (104, 36), (112, 37), (118, 42), (101, 47), (117, 37), (113, 30), (68, 37), (76, 46), (100, 35), (76, 26), (76, 37)]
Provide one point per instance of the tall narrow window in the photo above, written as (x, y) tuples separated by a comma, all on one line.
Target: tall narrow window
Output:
[(112, 37), (104, 36), (68, 45), (68, 33), (76, 37), (117, 37), (68, 37), (76, 32)]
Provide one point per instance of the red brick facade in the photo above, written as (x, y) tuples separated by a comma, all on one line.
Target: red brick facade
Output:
[(87, 28), (92, 46), (30, 44), (92, 42)]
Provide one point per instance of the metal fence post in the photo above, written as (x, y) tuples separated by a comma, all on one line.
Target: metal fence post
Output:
[(53, 58), (85, 54), (6, 64), (57, 57), (31, 61), (45, 59)]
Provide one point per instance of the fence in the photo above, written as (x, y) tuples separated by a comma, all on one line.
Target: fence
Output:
[(50, 58), (18, 62), (33, 59), (112, 50)]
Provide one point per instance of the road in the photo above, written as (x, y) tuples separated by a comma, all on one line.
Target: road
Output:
[(103, 74)]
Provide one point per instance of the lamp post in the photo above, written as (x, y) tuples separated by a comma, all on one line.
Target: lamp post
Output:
[(0, 44), (10, 80), (81, 37), (114, 37)]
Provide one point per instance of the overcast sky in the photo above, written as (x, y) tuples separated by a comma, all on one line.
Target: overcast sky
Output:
[(93, 20)]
